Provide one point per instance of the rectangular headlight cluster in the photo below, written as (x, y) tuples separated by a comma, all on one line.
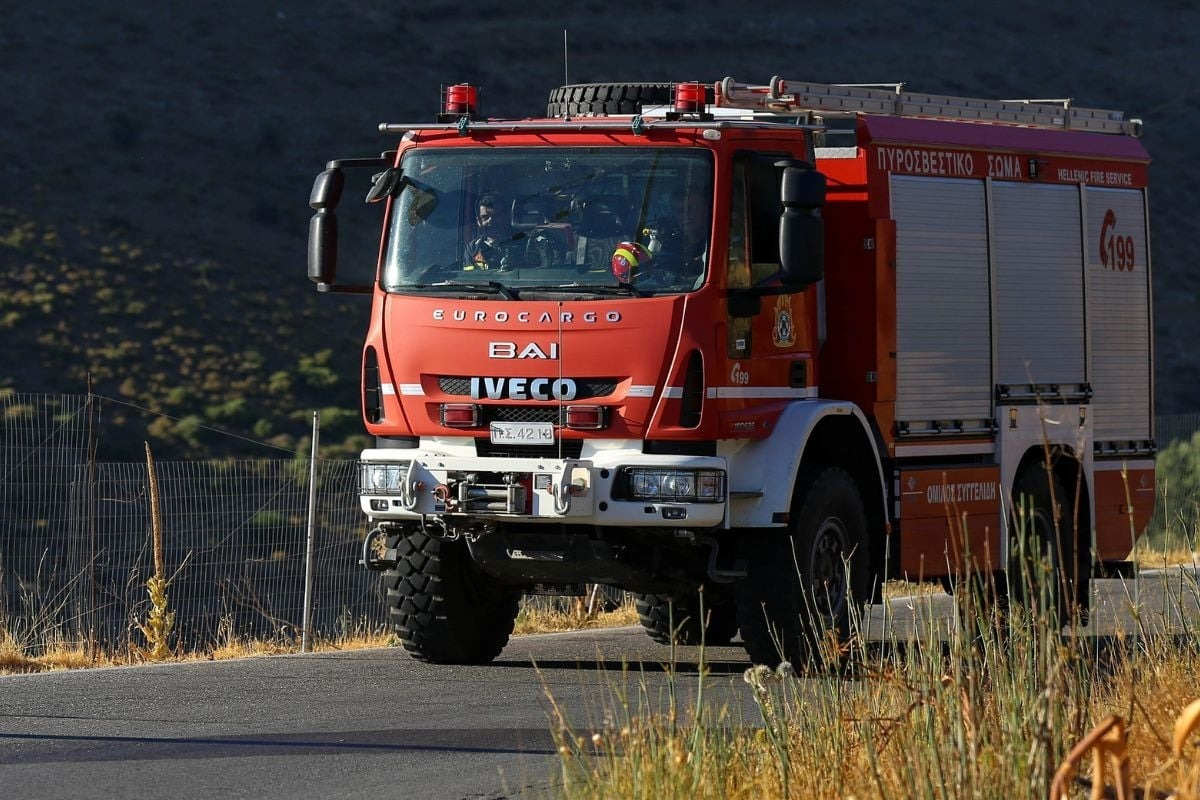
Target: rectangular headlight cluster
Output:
[(676, 485), (381, 478)]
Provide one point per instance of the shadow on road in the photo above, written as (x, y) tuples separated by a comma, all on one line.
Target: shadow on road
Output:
[(83, 748), (680, 667)]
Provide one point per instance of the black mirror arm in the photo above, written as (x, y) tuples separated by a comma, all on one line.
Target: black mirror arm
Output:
[(352, 163), (334, 288)]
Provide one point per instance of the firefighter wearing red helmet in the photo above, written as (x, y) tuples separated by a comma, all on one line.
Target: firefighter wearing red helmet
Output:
[(629, 260), (678, 240)]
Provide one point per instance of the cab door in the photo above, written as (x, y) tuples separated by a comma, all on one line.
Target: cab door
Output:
[(769, 355)]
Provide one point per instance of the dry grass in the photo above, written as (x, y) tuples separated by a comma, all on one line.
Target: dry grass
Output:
[(16, 657), (232, 648), (902, 730), (534, 619), (989, 712), (1148, 558), (1149, 693), (55, 655), (894, 589)]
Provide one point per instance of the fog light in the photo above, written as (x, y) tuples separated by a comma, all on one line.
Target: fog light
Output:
[(381, 478)]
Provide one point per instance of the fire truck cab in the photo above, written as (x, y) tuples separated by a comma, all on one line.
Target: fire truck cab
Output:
[(747, 352)]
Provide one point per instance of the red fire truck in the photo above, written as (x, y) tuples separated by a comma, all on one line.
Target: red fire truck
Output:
[(747, 352)]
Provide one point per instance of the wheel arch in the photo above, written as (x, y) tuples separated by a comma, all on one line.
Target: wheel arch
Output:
[(845, 441), (810, 434), (1068, 466)]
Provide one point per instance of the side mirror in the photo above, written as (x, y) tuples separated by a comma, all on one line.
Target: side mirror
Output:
[(322, 247), (322, 228), (383, 185), (327, 190), (801, 229)]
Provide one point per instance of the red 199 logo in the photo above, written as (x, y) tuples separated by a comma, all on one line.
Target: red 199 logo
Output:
[(1116, 251)]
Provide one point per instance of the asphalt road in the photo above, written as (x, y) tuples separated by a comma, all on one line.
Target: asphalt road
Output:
[(377, 724)]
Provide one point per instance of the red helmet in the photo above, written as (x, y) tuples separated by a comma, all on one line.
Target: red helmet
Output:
[(628, 259)]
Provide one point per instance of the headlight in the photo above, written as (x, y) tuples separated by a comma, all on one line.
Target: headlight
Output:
[(381, 478), (676, 485), (679, 484)]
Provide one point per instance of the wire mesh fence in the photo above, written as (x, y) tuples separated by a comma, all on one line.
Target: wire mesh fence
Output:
[(43, 458), (1170, 428), (76, 548), (234, 536), (1176, 522)]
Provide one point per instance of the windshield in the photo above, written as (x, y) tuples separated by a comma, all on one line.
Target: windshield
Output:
[(523, 222)]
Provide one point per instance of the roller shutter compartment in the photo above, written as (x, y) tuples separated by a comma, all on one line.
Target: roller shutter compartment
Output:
[(943, 312), (1119, 295), (1039, 285)]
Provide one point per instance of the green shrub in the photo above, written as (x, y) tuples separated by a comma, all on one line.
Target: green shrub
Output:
[(1176, 517)]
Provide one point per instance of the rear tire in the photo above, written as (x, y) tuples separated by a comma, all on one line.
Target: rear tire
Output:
[(678, 616), (601, 99), (805, 583), (1038, 548), (445, 610)]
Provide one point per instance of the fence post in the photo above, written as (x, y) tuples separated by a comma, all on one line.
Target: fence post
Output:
[(93, 644), (312, 527)]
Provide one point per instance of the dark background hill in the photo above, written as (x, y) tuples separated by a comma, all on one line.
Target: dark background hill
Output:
[(158, 158)]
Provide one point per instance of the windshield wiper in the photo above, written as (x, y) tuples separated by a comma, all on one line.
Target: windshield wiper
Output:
[(590, 288), (483, 286)]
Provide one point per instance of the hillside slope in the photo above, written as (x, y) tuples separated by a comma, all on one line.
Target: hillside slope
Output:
[(191, 135)]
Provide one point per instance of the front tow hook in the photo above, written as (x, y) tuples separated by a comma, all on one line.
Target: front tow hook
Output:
[(374, 551)]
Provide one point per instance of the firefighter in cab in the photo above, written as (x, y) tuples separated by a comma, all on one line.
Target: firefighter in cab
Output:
[(494, 245)]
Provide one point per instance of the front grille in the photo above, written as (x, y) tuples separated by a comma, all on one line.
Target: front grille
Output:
[(521, 414), (564, 448), (586, 388), (455, 386)]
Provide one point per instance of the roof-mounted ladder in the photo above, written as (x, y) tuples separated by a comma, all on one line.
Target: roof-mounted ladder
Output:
[(795, 97)]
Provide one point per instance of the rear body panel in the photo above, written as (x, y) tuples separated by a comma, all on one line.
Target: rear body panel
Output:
[(1008, 273)]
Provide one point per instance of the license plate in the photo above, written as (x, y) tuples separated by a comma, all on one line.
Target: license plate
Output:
[(522, 432)]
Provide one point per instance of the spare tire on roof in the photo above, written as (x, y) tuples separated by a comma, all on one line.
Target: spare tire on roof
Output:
[(599, 99)]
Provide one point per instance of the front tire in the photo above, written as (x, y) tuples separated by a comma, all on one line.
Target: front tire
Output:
[(445, 610), (805, 583)]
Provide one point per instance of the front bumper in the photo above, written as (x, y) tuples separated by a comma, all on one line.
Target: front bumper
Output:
[(399, 485)]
